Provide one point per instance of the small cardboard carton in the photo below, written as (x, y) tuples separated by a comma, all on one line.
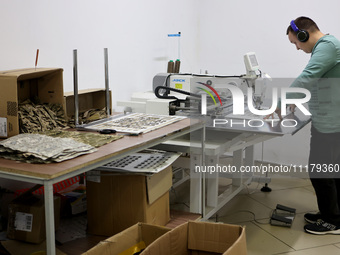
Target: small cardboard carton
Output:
[(120, 201), (16, 86), (26, 218), (130, 241), (87, 99), (77, 202), (200, 238)]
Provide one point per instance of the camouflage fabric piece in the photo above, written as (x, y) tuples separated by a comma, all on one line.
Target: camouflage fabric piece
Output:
[(89, 116), (93, 139), (40, 117), (36, 148)]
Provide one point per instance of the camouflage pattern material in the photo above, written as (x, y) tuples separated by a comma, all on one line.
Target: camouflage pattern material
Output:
[(36, 148), (94, 139), (40, 117), (89, 116)]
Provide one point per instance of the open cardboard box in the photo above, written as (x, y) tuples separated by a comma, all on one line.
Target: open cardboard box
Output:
[(116, 202), (200, 238), (129, 241), (87, 99), (26, 218), (44, 84)]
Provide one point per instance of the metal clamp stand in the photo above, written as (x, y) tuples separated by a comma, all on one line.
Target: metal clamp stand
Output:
[(75, 86), (107, 86)]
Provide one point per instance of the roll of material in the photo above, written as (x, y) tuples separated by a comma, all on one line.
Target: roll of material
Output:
[(171, 66), (177, 66)]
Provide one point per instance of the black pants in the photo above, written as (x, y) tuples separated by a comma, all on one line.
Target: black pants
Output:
[(324, 172)]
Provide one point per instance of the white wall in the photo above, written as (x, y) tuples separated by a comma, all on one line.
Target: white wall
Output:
[(228, 29), (135, 33), (215, 35)]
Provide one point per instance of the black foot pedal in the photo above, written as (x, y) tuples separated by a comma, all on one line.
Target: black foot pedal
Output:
[(283, 216)]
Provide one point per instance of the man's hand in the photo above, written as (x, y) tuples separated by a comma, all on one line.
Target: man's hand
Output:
[(292, 107), (278, 112)]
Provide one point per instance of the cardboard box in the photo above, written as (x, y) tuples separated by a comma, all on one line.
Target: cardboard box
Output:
[(14, 247), (129, 241), (16, 86), (77, 202), (120, 201), (200, 238), (73, 200), (87, 99), (26, 218)]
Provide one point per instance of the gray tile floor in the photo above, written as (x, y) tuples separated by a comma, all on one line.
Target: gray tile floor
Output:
[(252, 209)]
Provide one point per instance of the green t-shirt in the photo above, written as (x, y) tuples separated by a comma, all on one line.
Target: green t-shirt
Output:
[(321, 77)]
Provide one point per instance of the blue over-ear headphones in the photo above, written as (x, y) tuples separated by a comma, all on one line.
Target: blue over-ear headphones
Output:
[(302, 35)]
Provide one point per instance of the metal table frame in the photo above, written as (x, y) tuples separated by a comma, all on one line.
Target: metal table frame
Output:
[(166, 133), (204, 197)]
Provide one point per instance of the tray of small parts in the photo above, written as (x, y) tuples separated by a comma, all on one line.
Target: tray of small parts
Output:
[(146, 161), (133, 123)]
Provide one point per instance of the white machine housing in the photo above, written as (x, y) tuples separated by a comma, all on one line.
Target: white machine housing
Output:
[(192, 82), (147, 102)]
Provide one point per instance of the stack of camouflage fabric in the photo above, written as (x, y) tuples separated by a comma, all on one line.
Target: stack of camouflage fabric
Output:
[(36, 148), (35, 117), (46, 141), (93, 139), (40, 117), (89, 116)]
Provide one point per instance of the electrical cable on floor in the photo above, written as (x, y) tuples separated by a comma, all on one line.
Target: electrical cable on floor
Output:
[(244, 211), (248, 191), (176, 197), (182, 203), (174, 191)]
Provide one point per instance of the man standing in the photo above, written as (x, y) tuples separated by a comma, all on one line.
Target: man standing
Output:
[(321, 77)]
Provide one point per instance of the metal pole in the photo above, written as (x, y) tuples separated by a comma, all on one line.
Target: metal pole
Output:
[(107, 87), (75, 88), (49, 218), (203, 174)]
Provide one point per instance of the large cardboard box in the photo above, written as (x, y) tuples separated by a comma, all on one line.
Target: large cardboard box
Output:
[(130, 241), (16, 86), (87, 99), (120, 201), (26, 218), (200, 238)]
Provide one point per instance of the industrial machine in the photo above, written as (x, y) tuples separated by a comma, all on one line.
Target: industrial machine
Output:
[(214, 98), (189, 94)]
